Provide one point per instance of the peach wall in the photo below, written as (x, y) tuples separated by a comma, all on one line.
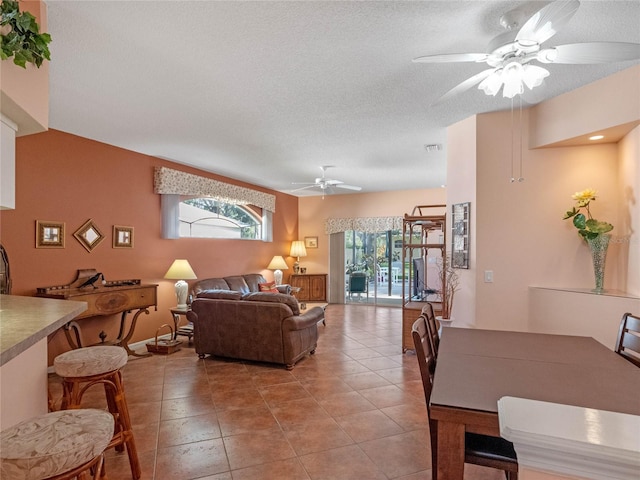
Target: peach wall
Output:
[(25, 92), (520, 233), (64, 178), (313, 211), (461, 187)]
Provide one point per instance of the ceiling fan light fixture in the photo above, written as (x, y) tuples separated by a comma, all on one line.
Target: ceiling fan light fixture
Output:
[(512, 79), (492, 84), (533, 76)]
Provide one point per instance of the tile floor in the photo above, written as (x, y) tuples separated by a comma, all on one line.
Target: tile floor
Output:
[(354, 410)]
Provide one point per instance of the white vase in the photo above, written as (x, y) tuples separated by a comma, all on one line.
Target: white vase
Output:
[(443, 323)]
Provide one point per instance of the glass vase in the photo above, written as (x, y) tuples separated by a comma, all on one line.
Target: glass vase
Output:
[(598, 246)]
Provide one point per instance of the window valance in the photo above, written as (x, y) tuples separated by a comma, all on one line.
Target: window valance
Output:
[(168, 181), (362, 224)]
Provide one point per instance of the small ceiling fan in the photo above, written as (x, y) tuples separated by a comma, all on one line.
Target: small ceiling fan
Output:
[(326, 185), (512, 52)]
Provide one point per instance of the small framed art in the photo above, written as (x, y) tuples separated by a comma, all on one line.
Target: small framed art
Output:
[(311, 242), (49, 234), (89, 235), (122, 237)]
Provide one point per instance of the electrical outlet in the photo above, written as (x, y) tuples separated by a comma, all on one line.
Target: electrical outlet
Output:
[(488, 276)]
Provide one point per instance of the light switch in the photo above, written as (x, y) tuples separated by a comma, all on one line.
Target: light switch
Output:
[(488, 276)]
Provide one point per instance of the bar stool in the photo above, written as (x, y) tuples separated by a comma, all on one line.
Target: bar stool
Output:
[(83, 368), (56, 446)]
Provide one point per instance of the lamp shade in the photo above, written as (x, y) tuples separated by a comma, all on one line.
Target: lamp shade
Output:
[(277, 263), (298, 249), (180, 270)]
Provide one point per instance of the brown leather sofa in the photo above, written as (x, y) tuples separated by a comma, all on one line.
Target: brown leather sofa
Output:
[(258, 326)]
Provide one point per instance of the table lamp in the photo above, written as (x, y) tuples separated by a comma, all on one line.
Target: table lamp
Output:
[(277, 265), (181, 270), (298, 250)]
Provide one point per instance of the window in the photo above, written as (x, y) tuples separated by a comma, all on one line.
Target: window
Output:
[(210, 218)]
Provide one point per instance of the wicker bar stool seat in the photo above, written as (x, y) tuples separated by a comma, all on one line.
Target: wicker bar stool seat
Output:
[(83, 368), (56, 446)]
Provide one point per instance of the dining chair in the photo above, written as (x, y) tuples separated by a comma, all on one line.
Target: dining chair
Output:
[(432, 327), (629, 338), (483, 450)]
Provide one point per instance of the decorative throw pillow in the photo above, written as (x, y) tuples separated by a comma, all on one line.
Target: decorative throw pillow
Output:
[(268, 287)]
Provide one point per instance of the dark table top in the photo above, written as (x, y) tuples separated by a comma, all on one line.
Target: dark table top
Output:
[(475, 368)]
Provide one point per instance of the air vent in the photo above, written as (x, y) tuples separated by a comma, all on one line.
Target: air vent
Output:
[(433, 147)]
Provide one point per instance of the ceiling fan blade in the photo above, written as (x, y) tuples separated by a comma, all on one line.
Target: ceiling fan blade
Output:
[(331, 183), (452, 57), (464, 86), (590, 52), (545, 23), (303, 188), (348, 187)]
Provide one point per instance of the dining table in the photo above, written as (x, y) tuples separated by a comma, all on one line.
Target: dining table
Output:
[(475, 368)]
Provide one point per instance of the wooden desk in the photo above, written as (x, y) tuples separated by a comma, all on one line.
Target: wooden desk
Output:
[(476, 368), (113, 298)]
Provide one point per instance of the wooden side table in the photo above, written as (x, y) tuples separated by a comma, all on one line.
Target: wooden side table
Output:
[(185, 330)]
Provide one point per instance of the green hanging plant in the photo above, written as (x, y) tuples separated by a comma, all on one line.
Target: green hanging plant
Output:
[(21, 38)]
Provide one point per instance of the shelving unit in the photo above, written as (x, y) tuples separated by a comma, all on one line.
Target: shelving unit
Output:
[(423, 232)]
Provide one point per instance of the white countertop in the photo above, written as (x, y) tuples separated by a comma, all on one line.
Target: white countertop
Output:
[(26, 320), (569, 440)]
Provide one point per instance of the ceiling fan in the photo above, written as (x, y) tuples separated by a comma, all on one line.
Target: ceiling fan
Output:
[(325, 184), (512, 52)]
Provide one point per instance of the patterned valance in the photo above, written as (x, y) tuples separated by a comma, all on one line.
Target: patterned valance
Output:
[(362, 224), (168, 181)]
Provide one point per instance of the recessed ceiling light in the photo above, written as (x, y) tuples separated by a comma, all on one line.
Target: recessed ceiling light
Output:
[(433, 147), (596, 137)]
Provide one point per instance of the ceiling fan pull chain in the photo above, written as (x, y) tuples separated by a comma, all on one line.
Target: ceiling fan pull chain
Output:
[(512, 143), (521, 177)]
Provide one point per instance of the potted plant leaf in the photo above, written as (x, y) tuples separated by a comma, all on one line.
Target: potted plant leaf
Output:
[(21, 37)]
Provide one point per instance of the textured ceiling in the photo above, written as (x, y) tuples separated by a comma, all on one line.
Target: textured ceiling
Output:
[(267, 92)]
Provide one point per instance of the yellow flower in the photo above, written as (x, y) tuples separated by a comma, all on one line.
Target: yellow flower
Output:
[(585, 196)]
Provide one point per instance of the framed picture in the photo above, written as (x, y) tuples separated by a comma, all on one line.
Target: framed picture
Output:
[(122, 237), (311, 242), (89, 235), (460, 235), (49, 234)]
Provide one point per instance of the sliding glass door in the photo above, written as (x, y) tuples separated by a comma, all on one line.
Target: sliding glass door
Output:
[(372, 266)]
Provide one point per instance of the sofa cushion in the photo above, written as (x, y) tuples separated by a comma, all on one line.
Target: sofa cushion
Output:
[(237, 283), (268, 287), (221, 294), (210, 284), (253, 280), (288, 300)]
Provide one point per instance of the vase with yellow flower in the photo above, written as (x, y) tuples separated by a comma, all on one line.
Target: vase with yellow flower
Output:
[(594, 232)]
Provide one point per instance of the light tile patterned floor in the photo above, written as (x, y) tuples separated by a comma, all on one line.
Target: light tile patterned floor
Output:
[(355, 410)]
